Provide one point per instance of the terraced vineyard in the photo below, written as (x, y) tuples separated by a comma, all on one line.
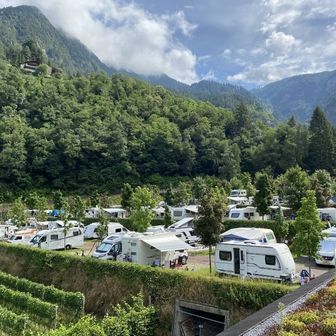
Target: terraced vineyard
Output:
[(29, 308)]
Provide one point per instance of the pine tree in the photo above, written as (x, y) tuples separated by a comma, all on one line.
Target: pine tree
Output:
[(263, 197), (321, 145)]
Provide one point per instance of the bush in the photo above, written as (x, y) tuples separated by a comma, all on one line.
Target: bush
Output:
[(307, 317), (287, 333), (73, 302), (292, 325), (11, 322), (29, 304), (87, 326), (329, 326), (114, 326)]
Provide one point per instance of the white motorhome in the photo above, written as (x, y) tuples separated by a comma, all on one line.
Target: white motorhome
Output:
[(114, 212), (247, 213), (22, 236), (247, 233), (255, 259), (154, 250), (326, 252), (90, 231), (55, 240)]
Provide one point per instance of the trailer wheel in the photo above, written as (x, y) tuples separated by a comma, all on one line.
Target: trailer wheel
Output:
[(184, 260), (67, 247)]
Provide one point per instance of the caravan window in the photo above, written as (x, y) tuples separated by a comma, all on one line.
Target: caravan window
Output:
[(235, 215), (76, 233), (177, 213), (270, 260), (270, 236), (118, 230), (53, 237), (225, 255)]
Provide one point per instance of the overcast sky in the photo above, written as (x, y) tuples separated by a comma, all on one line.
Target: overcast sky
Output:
[(248, 42)]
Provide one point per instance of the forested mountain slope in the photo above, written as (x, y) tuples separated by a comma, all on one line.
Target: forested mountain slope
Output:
[(23, 23), (96, 130), (299, 95), (221, 95)]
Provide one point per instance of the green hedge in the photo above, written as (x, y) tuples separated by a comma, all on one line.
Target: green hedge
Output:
[(29, 304), (107, 283), (73, 302), (12, 323), (266, 224)]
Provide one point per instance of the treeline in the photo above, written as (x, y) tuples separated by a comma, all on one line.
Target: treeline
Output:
[(99, 132)]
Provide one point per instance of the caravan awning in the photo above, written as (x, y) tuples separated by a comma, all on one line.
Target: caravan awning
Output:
[(166, 243)]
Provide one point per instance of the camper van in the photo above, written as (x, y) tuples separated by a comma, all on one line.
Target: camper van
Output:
[(22, 236), (90, 231), (326, 252), (154, 250), (248, 213), (54, 239), (254, 259), (248, 233)]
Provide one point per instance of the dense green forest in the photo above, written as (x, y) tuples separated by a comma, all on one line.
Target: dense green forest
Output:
[(95, 130)]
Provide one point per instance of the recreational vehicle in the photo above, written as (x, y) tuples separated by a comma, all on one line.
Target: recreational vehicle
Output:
[(184, 229), (22, 236), (248, 213), (154, 250), (55, 240), (90, 231), (326, 252), (248, 233), (255, 259)]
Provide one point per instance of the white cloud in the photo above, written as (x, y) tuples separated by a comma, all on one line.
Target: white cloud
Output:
[(296, 37), (124, 35)]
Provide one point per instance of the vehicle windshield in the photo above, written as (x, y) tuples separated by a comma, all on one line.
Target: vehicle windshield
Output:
[(327, 245), (35, 239), (104, 247)]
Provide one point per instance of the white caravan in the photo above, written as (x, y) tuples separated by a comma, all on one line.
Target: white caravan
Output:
[(248, 213), (184, 229), (326, 252), (22, 236), (90, 231), (154, 250), (254, 259), (55, 240), (248, 233)]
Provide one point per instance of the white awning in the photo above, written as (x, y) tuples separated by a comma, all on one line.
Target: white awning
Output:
[(166, 243)]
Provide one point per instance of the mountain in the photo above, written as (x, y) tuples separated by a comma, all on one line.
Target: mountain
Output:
[(219, 94), (22, 23), (299, 95)]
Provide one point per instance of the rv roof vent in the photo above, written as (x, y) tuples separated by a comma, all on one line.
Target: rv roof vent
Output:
[(251, 241)]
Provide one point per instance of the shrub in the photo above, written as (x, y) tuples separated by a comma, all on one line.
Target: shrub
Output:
[(292, 325), (73, 302), (329, 326), (114, 326), (287, 333), (29, 304), (86, 326), (11, 322), (307, 317)]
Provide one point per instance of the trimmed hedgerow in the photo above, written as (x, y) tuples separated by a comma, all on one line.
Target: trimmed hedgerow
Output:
[(73, 302), (12, 323), (29, 304)]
